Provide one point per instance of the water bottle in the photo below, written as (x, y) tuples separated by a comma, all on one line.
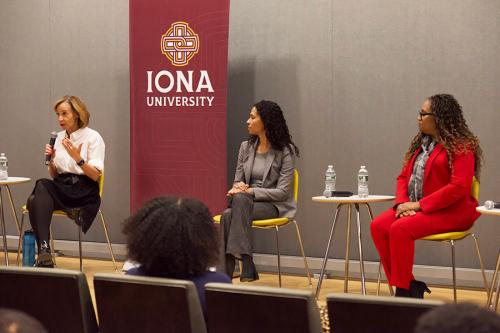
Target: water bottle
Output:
[(29, 248), (363, 182), (3, 167), (330, 179)]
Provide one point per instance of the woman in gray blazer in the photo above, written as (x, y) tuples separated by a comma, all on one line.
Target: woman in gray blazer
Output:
[(262, 187)]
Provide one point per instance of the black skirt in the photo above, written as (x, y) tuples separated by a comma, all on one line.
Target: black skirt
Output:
[(75, 194)]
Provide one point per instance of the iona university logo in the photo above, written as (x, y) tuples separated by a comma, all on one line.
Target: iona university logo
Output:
[(180, 44)]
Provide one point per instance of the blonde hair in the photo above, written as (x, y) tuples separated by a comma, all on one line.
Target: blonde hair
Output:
[(78, 107)]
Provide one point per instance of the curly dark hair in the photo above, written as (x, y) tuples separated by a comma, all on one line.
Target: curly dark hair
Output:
[(275, 126), (453, 132), (172, 237), (462, 317)]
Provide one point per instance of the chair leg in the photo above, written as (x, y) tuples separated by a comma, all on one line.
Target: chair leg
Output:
[(308, 272), (452, 243), (107, 239), (52, 248), (485, 281), (379, 277), (279, 256), (80, 247), (19, 241)]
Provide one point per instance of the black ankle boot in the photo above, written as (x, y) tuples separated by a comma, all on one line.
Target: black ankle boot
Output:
[(44, 258), (401, 292), (248, 272), (230, 263), (417, 289)]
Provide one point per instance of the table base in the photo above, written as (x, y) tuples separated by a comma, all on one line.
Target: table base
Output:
[(2, 221), (360, 246)]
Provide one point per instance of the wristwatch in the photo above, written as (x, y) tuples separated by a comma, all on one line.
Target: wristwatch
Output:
[(81, 162)]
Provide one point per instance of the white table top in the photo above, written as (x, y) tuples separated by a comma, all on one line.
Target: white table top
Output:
[(483, 210), (354, 199), (14, 180)]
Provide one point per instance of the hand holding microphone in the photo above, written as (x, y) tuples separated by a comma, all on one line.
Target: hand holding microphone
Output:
[(49, 148), (488, 204)]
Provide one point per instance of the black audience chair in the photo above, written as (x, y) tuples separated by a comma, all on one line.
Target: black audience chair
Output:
[(146, 304), (350, 313), (59, 299), (251, 309)]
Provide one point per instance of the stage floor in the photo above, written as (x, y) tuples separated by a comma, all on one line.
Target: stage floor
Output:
[(92, 266)]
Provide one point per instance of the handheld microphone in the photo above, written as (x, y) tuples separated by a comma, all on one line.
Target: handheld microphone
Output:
[(488, 204), (52, 141)]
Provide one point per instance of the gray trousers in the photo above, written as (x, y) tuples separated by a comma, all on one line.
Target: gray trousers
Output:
[(236, 223)]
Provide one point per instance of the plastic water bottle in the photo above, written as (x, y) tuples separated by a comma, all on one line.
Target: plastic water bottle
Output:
[(330, 179), (3, 167), (29, 248), (363, 182)]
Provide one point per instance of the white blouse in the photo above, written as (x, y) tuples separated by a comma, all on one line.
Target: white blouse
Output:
[(92, 151)]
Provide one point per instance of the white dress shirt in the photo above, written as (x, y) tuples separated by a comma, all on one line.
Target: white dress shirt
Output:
[(92, 151)]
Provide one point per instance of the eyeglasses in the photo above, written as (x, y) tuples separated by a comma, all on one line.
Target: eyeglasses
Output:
[(423, 114)]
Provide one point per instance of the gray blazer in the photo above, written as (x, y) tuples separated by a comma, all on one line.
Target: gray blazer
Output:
[(278, 177)]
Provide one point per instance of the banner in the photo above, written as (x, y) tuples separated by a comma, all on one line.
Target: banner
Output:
[(178, 91)]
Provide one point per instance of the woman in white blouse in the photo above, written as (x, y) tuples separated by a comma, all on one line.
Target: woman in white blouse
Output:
[(77, 162)]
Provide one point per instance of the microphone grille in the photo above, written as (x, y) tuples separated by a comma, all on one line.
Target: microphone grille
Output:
[(53, 134), (488, 204)]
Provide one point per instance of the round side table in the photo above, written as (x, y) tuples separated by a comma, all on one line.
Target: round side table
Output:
[(495, 279), (6, 183), (351, 201)]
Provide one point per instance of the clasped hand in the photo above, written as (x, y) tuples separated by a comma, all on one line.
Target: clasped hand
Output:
[(409, 208), (239, 187)]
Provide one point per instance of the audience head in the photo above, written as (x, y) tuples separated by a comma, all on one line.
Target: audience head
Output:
[(13, 321), (274, 126), (442, 117), (172, 237), (76, 106), (463, 318)]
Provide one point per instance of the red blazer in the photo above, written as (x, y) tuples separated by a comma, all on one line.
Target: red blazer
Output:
[(444, 190)]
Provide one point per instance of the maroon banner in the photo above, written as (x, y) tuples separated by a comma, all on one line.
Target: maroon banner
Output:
[(178, 90)]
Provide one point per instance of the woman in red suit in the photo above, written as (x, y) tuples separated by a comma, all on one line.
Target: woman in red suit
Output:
[(433, 192)]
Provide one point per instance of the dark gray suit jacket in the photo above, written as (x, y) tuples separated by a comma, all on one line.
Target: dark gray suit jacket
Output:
[(278, 177)]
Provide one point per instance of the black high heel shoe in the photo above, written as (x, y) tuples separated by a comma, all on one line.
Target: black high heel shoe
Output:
[(230, 263), (248, 272), (401, 292), (418, 288)]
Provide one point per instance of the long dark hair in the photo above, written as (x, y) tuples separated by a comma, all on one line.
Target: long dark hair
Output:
[(453, 132), (275, 126)]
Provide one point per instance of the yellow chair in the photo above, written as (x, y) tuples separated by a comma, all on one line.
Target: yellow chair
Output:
[(62, 213), (277, 223), (452, 237)]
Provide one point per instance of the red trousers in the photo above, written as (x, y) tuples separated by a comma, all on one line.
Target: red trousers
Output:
[(395, 238)]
